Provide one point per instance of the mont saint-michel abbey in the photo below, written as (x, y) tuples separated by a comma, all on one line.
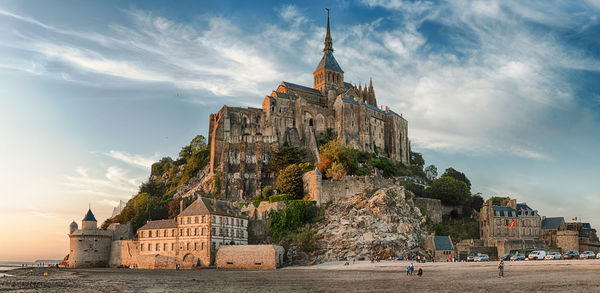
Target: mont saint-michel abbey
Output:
[(241, 139)]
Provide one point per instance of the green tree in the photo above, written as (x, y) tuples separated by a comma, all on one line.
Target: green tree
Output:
[(431, 173), (416, 159), (497, 200), (477, 202), (285, 156), (451, 172), (267, 191), (449, 190), (290, 181)]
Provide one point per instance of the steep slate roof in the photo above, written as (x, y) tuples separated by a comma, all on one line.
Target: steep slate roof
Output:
[(300, 87), (442, 243), (160, 224), (503, 210), (552, 223), (89, 216), (522, 206), (328, 61), (204, 205)]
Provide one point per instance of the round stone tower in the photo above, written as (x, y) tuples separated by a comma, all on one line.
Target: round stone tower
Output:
[(73, 227), (90, 247)]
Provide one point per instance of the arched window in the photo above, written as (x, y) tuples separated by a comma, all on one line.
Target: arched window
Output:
[(310, 122)]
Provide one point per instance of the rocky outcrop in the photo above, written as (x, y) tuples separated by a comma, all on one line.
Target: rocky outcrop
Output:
[(367, 225)]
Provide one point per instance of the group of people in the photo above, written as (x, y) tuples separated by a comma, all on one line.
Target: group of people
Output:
[(410, 270)]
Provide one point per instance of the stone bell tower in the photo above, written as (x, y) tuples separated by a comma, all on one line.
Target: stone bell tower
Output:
[(328, 72)]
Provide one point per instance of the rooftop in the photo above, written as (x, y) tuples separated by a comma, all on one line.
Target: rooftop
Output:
[(159, 224), (552, 223), (89, 216), (205, 205), (442, 243)]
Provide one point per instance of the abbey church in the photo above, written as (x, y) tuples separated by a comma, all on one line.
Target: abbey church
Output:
[(242, 139)]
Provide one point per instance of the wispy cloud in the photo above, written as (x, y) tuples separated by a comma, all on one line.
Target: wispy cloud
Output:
[(133, 159), (470, 86), (115, 184)]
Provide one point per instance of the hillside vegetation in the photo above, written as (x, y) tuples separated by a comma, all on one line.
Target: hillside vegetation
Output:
[(154, 199)]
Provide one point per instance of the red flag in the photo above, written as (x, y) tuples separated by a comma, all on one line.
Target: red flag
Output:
[(514, 223)]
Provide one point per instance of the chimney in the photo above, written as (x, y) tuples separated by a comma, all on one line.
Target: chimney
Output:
[(181, 206)]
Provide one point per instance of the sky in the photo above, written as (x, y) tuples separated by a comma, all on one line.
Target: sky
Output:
[(93, 92)]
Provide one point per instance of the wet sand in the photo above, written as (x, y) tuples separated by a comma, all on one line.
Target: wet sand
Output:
[(386, 276)]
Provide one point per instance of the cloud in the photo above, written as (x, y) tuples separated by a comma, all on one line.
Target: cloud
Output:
[(115, 184), (470, 76), (134, 160)]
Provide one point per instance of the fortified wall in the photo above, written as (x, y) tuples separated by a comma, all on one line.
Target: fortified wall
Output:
[(323, 191)]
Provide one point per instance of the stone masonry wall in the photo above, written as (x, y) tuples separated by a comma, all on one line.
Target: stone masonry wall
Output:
[(567, 240), (250, 257), (350, 186), (433, 207)]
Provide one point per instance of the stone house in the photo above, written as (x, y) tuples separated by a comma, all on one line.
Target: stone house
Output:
[(511, 227), (242, 139), (196, 233), (550, 228), (441, 247)]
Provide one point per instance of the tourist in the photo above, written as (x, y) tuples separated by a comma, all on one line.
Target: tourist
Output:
[(420, 272), (501, 269), (407, 270), (412, 268), (353, 260)]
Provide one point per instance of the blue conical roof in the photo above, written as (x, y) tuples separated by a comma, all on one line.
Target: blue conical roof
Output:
[(89, 216)]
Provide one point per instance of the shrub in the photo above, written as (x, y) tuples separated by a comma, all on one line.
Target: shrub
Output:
[(280, 197), (336, 172), (296, 214), (267, 191)]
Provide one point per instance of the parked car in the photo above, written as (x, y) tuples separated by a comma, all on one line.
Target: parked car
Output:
[(481, 257), (516, 257), (598, 255), (537, 255), (506, 257), (472, 256), (571, 254), (554, 255), (587, 254)]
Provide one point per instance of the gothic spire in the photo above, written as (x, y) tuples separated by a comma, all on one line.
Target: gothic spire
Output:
[(328, 41)]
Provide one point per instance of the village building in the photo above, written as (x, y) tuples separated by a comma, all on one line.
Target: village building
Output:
[(550, 228), (441, 248), (196, 233), (511, 227)]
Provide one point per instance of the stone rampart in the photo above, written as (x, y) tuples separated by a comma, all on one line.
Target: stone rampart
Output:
[(432, 206), (250, 257), (350, 186), (567, 240)]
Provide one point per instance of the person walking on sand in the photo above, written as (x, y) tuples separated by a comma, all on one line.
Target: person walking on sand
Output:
[(412, 268), (407, 270), (501, 269)]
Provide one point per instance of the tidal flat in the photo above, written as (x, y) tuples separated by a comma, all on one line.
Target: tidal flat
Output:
[(363, 276)]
